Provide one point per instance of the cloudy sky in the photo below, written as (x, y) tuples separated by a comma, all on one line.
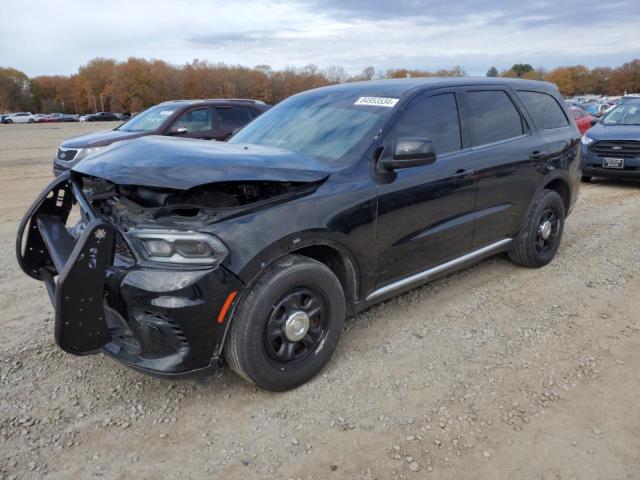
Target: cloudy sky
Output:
[(46, 37)]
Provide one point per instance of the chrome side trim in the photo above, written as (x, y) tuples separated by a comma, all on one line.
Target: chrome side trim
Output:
[(422, 276)]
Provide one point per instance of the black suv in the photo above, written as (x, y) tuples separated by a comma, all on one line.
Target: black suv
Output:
[(205, 119), (257, 249)]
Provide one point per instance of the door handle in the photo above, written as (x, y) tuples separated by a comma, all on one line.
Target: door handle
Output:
[(463, 173), (536, 155)]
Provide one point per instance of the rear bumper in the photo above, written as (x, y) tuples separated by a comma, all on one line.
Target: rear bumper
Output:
[(160, 320)]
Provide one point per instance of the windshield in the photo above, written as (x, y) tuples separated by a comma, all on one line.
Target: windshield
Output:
[(148, 120), (323, 126), (627, 113)]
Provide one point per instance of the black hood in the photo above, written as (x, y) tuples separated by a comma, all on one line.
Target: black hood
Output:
[(168, 162), (99, 139), (600, 131)]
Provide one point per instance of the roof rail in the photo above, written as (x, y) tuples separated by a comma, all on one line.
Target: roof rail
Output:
[(247, 100)]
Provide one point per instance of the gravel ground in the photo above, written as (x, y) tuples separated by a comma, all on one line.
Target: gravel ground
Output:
[(495, 372)]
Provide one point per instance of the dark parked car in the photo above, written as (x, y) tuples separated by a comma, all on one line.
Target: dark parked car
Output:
[(204, 119), (102, 117), (611, 148), (255, 250)]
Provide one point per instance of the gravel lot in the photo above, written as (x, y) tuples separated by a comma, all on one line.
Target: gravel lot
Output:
[(495, 372)]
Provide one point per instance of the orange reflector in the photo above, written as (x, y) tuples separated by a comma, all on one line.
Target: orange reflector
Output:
[(225, 307)]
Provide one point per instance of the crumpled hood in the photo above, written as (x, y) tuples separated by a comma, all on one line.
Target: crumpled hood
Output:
[(98, 139), (614, 132), (169, 162)]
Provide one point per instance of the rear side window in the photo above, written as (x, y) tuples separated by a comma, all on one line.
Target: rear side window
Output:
[(435, 118), (232, 118), (492, 117), (545, 109)]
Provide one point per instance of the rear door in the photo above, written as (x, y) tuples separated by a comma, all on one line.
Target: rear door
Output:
[(506, 151), (425, 213), (552, 121)]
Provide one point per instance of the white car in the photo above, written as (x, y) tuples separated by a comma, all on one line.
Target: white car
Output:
[(21, 117)]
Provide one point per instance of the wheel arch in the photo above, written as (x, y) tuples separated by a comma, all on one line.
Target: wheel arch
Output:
[(562, 188), (335, 256), (339, 262)]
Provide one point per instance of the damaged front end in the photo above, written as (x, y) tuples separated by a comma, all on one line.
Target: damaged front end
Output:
[(131, 270)]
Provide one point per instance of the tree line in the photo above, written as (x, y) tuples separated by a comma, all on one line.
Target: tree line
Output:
[(579, 79), (135, 84)]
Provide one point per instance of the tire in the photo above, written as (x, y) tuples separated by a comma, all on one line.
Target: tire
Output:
[(531, 249), (585, 179), (257, 347)]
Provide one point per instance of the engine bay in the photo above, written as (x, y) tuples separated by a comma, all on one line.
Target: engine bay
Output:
[(133, 205)]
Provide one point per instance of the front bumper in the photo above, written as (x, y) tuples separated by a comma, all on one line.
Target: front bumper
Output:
[(161, 320), (592, 166)]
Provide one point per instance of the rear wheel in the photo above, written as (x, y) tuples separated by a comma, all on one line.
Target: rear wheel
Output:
[(540, 237), (287, 326)]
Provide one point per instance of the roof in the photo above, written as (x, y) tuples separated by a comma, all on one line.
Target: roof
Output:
[(400, 86)]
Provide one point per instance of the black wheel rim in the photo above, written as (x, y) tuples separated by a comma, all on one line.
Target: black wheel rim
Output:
[(547, 232), (280, 349)]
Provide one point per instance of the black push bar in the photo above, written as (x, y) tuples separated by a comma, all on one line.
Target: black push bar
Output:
[(45, 249)]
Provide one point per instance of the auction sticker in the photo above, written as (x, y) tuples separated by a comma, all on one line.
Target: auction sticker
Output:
[(377, 101)]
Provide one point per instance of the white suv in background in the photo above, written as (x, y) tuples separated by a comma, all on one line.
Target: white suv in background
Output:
[(21, 117)]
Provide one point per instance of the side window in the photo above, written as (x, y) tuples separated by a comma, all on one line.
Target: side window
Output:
[(232, 118), (544, 108), (198, 120), (436, 118), (492, 117)]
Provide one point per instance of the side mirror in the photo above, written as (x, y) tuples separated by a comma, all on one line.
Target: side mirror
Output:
[(178, 131), (411, 152)]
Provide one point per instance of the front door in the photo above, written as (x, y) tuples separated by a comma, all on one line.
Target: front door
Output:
[(194, 123), (425, 213)]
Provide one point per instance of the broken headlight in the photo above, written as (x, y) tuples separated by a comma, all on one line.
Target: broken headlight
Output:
[(173, 246)]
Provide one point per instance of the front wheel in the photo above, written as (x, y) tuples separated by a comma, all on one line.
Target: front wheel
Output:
[(585, 178), (538, 242), (287, 326)]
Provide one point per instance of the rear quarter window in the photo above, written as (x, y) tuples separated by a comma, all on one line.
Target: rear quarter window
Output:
[(545, 109)]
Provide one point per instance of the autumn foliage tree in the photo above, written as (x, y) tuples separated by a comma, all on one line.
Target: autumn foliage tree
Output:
[(15, 90), (137, 83)]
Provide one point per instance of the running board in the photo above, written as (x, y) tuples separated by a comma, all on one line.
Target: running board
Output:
[(423, 276)]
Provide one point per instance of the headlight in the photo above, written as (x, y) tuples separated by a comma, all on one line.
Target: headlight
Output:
[(586, 140), (86, 152), (174, 246)]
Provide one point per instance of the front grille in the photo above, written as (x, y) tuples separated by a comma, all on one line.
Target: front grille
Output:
[(123, 251), (616, 148), (67, 154)]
